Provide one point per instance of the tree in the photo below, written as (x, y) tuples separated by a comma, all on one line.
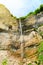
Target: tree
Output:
[(41, 7), (37, 11)]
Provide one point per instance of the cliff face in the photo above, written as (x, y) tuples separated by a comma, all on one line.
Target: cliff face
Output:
[(31, 26), (32, 19), (32, 22), (6, 19)]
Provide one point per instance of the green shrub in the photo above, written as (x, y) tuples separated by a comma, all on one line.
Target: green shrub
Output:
[(4, 62)]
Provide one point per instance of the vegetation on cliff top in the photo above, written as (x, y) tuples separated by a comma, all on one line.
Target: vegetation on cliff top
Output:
[(38, 10)]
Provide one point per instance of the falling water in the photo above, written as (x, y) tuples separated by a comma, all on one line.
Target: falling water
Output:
[(21, 40)]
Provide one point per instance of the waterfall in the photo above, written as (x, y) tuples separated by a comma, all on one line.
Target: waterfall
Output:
[(21, 40)]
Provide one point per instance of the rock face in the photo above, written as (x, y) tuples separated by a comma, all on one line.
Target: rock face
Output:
[(10, 38), (32, 22), (31, 43), (8, 23), (6, 57), (6, 20), (40, 29), (33, 19), (4, 40)]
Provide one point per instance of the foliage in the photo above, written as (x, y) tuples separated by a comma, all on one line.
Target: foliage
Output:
[(31, 13), (41, 33), (13, 16), (41, 57), (37, 11), (40, 48), (41, 7), (24, 17), (40, 52), (4, 62), (29, 64)]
